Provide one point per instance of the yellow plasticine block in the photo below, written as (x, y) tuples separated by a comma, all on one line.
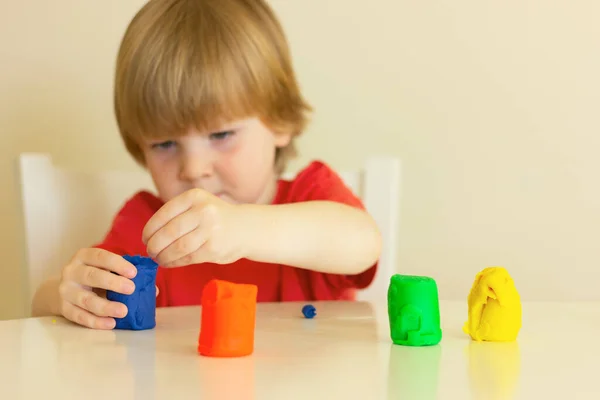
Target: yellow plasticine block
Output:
[(494, 307)]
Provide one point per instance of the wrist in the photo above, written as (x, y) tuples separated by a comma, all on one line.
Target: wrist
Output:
[(253, 221), (55, 302), (46, 300)]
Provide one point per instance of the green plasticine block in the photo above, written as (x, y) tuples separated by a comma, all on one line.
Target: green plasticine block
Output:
[(414, 311)]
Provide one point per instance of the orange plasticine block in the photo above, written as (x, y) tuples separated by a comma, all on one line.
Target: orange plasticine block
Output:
[(228, 319)]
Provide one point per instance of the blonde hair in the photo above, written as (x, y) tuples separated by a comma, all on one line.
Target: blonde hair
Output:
[(200, 63)]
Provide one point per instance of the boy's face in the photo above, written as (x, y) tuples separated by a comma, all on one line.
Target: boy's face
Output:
[(236, 162)]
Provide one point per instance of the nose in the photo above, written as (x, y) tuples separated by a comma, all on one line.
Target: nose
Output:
[(195, 167)]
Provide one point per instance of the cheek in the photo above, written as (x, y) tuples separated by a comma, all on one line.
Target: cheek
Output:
[(163, 173), (248, 159), (231, 157), (154, 166)]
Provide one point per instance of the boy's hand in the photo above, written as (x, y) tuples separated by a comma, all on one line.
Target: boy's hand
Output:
[(83, 284), (195, 227)]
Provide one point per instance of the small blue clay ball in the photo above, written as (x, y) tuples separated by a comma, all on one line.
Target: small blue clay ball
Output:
[(309, 311)]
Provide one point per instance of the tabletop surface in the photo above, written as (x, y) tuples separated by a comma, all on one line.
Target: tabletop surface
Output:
[(345, 351)]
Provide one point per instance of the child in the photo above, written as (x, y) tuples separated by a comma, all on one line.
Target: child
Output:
[(206, 99)]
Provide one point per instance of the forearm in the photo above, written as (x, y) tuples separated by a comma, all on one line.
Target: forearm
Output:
[(46, 299), (317, 235)]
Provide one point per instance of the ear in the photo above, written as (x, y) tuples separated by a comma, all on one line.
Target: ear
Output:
[(282, 139)]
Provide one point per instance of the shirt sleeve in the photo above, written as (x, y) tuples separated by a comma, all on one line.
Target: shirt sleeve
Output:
[(319, 182)]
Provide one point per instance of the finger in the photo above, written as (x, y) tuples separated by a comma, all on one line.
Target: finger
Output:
[(200, 255), (90, 301), (183, 246), (101, 279), (176, 228), (85, 318), (157, 291), (170, 210), (106, 260)]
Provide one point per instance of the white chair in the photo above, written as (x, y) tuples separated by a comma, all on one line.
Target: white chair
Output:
[(65, 210), (380, 189)]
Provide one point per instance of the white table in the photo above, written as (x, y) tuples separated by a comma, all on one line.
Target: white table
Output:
[(345, 352)]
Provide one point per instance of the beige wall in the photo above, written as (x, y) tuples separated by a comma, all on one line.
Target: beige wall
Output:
[(56, 68), (491, 105)]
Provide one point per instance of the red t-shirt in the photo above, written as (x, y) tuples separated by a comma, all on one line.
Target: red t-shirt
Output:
[(183, 285)]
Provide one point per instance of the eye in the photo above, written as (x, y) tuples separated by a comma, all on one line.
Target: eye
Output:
[(221, 135), (163, 145)]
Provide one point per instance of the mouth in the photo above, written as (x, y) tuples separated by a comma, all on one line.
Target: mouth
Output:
[(223, 196), (226, 198), (220, 194)]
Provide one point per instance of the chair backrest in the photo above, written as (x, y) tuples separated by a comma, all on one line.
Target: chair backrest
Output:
[(378, 184), (65, 210)]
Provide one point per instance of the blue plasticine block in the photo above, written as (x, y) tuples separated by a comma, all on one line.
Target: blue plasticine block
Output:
[(141, 304)]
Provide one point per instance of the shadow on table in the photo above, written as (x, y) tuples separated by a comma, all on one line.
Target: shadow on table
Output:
[(140, 348), (494, 369), (227, 378), (119, 364), (413, 372)]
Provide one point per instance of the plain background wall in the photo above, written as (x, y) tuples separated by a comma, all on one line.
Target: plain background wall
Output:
[(492, 106)]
